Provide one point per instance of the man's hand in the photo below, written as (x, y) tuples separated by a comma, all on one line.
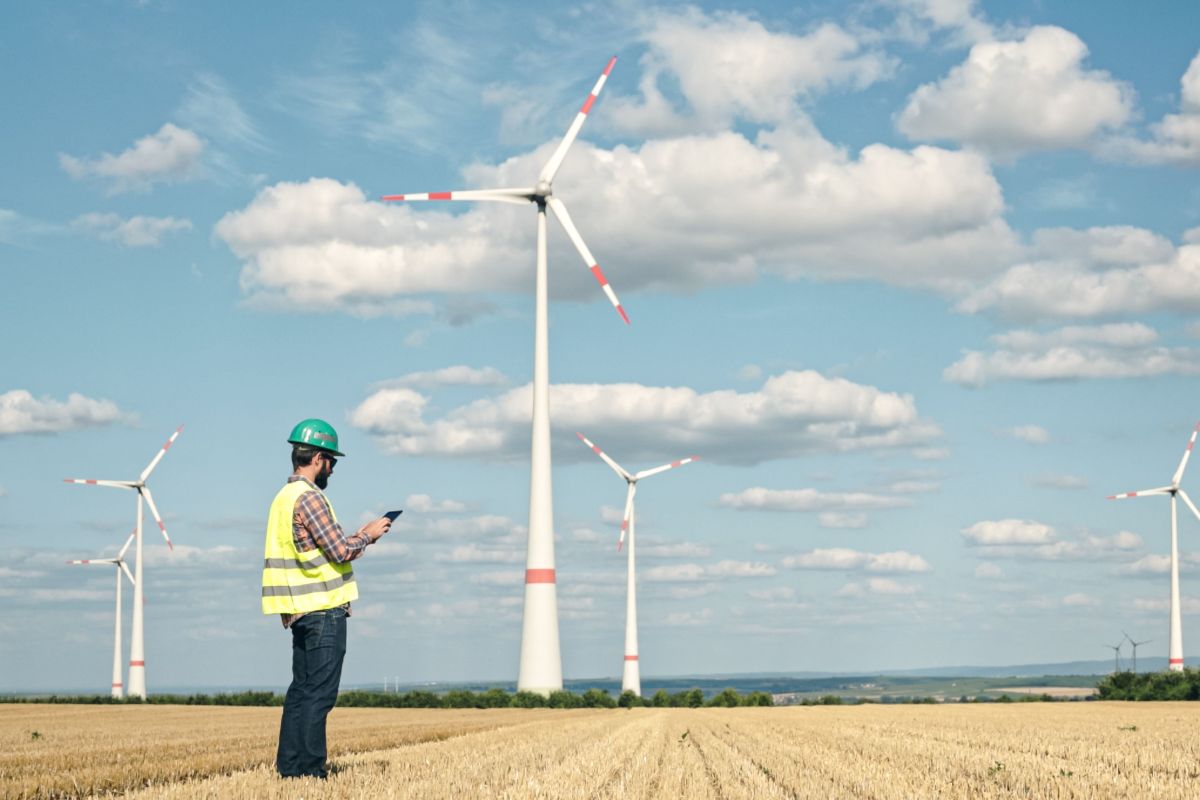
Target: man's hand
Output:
[(376, 528)]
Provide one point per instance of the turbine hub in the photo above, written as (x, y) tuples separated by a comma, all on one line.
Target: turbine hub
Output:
[(543, 189)]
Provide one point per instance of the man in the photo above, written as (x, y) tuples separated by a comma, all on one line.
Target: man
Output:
[(308, 581)]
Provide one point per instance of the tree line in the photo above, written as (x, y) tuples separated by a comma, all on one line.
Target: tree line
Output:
[(455, 698), (1126, 685)]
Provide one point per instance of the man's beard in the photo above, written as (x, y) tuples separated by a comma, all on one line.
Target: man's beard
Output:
[(322, 480)]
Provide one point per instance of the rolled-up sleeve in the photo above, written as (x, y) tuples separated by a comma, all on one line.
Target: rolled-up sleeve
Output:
[(313, 512)]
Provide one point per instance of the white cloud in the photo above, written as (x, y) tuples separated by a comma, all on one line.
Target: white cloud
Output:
[(1052, 481), (1081, 600), (1009, 532), (675, 214), (675, 550), (689, 618), (760, 499), (1101, 272), (482, 525), (211, 108), (1127, 350), (474, 554), (877, 586), (133, 232), (841, 520), (776, 594), (1175, 139), (505, 578), (170, 155), (459, 375), (728, 67), (1015, 96), (841, 558), (793, 413), (424, 504), (750, 372), (958, 16), (988, 571), (1152, 564), (21, 412), (1032, 434), (914, 486), (697, 572), (1187, 605)]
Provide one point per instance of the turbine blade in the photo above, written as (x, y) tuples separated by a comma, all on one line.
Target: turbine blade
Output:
[(91, 482), (1186, 455), (128, 542), (551, 168), (1142, 493), (1189, 502), (128, 574), (617, 468), (646, 473), (560, 212), (518, 196), (94, 561), (157, 518), (157, 458), (628, 514)]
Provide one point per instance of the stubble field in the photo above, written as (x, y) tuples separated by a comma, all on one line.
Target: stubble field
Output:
[(1059, 750)]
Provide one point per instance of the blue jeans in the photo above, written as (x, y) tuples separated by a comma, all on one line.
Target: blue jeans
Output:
[(318, 647)]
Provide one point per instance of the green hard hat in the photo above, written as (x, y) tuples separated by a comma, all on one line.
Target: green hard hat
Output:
[(316, 433)]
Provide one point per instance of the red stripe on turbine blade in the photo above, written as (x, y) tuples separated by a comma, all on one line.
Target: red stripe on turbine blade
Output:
[(137, 663), (676, 463), (624, 316), (392, 197), (595, 450), (587, 104), (624, 524), (439, 195), (162, 527), (599, 273), (631, 658), (539, 576), (611, 61)]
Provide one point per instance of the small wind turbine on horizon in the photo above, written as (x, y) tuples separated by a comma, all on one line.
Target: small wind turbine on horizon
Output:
[(1175, 647), (631, 679), (1116, 648), (1135, 647), (137, 648), (541, 660), (118, 687)]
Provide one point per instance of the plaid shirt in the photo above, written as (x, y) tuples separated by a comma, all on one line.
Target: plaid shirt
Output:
[(313, 527)]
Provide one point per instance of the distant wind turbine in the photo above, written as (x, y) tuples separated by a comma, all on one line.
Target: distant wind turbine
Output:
[(1116, 648), (118, 687), (1135, 647), (1175, 648), (137, 649), (541, 661), (631, 679)]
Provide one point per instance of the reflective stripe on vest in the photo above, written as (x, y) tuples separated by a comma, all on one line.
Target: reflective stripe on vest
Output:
[(294, 582)]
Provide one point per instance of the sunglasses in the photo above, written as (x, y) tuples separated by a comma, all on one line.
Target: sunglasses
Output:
[(332, 461)]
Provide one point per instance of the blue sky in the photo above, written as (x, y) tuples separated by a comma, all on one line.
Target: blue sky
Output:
[(915, 278)]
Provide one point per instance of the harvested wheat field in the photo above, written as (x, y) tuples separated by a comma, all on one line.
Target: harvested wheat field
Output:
[(1076, 750)]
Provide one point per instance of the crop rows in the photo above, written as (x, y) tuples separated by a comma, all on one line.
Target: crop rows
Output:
[(1077, 750)]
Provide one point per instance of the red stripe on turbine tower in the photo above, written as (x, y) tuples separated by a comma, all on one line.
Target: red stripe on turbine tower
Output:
[(1176, 660), (539, 576), (631, 658), (137, 663)]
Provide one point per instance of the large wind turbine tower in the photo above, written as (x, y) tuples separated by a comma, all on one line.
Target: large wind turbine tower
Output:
[(1175, 649), (137, 648), (541, 661)]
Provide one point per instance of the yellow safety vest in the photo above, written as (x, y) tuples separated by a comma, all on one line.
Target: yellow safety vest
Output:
[(295, 582)]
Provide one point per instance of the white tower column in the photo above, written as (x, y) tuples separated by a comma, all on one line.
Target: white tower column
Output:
[(1175, 654), (118, 687), (541, 661), (137, 647), (631, 678)]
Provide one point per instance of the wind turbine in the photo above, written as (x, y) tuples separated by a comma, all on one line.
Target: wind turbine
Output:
[(1135, 647), (631, 680), (118, 688), (541, 661), (1175, 649), (137, 648), (1116, 655)]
